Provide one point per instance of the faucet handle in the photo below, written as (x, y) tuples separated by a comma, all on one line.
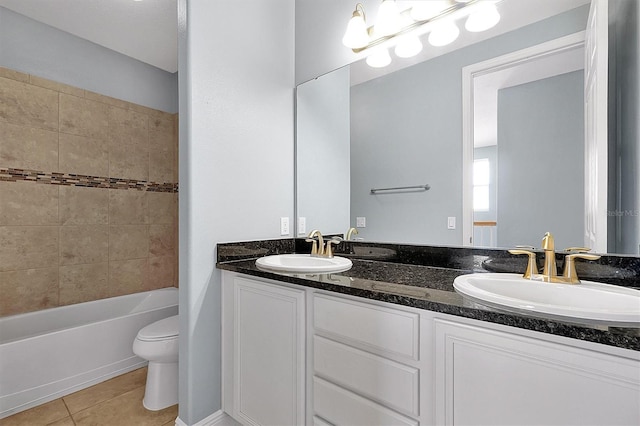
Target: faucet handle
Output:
[(334, 240), (532, 267), (570, 275), (577, 250)]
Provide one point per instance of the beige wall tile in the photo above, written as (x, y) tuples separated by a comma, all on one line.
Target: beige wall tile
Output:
[(128, 242), (28, 105), (128, 276), (163, 207), (40, 415), (128, 207), (28, 148), (84, 117), (83, 283), (127, 127), (161, 165), (161, 240), (161, 133), (53, 85), (129, 161), (84, 206), (84, 156), (14, 75), (84, 244), (28, 247), (28, 290), (162, 272), (106, 390), (28, 203)]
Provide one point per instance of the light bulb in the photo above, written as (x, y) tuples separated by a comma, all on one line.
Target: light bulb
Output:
[(388, 21), (356, 35), (483, 18), (379, 58), (408, 46), (423, 10), (444, 33)]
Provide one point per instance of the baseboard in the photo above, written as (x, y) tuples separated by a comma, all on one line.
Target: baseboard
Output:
[(219, 418)]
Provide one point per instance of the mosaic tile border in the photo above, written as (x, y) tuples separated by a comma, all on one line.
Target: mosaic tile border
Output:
[(70, 179)]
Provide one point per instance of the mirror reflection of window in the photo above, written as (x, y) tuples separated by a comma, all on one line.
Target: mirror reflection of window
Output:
[(481, 182)]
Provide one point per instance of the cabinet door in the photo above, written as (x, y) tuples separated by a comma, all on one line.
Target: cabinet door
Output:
[(268, 374), (487, 377)]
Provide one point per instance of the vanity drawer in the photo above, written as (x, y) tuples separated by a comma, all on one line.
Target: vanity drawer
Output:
[(341, 407), (392, 384), (389, 332)]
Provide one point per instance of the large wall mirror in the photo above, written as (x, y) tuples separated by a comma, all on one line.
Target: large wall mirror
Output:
[(360, 129)]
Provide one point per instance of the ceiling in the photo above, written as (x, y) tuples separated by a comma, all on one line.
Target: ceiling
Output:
[(146, 30)]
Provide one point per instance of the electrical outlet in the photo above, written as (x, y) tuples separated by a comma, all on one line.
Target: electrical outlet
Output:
[(361, 222), (284, 226), (302, 225), (451, 222)]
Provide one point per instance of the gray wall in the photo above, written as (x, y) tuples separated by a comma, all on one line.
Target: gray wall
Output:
[(406, 130), (236, 163), (624, 123), (35, 48), (322, 162), (541, 162)]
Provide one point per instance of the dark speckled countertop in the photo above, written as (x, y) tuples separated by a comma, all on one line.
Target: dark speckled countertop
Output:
[(422, 277)]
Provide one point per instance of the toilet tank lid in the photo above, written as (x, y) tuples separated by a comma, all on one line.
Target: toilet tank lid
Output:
[(163, 329)]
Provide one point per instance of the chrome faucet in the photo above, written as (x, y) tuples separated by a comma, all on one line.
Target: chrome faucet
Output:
[(550, 271)]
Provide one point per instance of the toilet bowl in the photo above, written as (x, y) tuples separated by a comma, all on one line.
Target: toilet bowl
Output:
[(158, 343)]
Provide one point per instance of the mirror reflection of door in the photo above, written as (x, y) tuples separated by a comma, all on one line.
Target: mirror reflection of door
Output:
[(528, 133)]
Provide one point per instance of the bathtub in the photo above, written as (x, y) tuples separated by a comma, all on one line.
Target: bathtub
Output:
[(54, 352)]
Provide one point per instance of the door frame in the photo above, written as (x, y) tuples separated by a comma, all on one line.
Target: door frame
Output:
[(469, 73)]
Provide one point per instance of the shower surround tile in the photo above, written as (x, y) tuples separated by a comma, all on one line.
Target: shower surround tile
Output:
[(83, 155), (28, 147), (128, 242), (88, 195), (42, 291), (84, 244), (84, 206), (28, 247), (83, 117), (28, 105), (83, 283), (26, 204)]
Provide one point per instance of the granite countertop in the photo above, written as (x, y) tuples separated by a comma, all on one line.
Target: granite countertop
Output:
[(431, 288)]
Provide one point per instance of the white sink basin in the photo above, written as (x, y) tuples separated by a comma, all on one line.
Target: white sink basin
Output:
[(303, 263), (585, 301)]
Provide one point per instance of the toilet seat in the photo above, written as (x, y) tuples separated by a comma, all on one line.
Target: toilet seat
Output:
[(165, 329)]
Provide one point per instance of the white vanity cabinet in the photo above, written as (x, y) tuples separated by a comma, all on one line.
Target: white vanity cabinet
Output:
[(366, 363), (492, 376), (296, 355), (263, 352)]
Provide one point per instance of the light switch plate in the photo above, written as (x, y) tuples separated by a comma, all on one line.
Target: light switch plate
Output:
[(451, 222), (302, 225), (361, 222)]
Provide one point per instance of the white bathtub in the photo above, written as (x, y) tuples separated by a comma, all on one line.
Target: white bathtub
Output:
[(54, 352)]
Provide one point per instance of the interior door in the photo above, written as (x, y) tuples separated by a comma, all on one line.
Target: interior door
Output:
[(595, 95)]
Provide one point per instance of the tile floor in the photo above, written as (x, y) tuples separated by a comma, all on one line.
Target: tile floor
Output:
[(116, 402)]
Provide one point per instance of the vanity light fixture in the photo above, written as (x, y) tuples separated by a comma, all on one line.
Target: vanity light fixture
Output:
[(403, 29)]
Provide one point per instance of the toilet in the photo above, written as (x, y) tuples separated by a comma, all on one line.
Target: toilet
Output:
[(158, 343)]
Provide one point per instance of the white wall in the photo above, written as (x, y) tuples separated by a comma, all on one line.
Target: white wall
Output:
[(236, 162), (35, 48)]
